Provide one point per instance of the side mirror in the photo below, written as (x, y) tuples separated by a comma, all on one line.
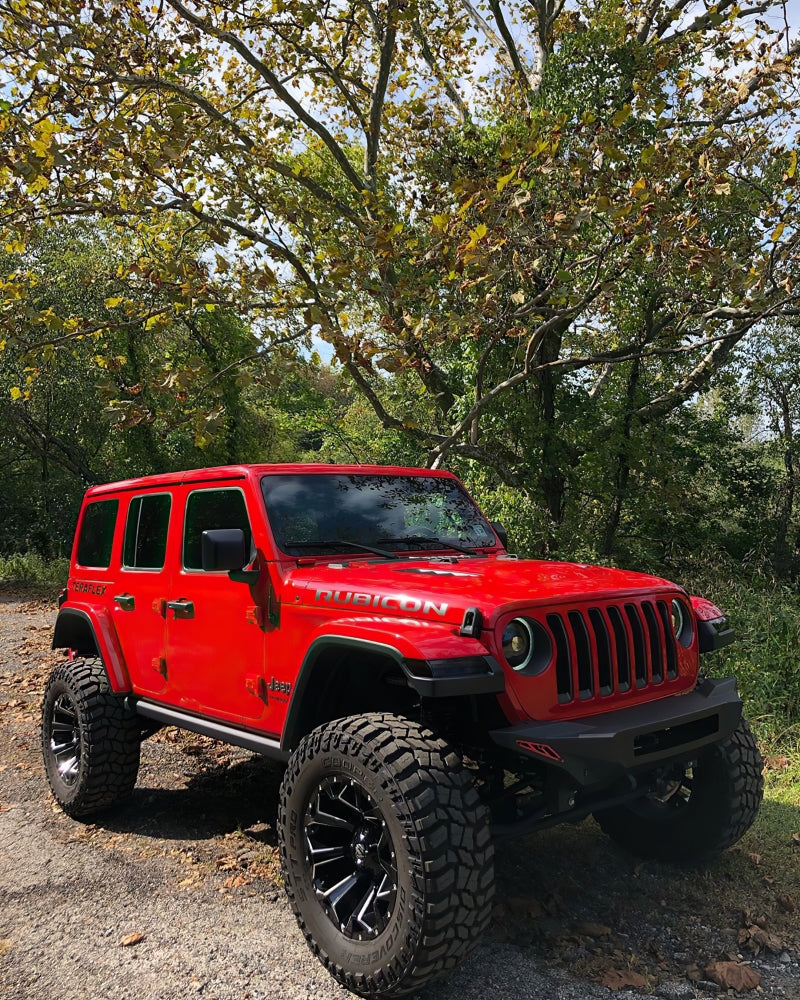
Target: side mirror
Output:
[(501, 533), (223, 548)]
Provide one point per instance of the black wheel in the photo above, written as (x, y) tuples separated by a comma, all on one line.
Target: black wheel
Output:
[(697, 811), (90, 741), (386, 853)]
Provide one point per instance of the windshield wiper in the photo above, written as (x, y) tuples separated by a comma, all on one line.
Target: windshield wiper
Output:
[(342, 544), (433, 541)]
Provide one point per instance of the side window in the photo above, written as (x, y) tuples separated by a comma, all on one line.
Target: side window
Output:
[(97, 533), (208, 509), (145, 542)]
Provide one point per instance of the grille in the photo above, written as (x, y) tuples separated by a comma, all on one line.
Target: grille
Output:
[(614, 648)]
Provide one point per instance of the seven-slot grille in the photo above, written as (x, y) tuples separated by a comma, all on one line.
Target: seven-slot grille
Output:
[(603, 650)]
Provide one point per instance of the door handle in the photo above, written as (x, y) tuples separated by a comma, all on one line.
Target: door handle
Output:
[(126, 601), (182, 608)]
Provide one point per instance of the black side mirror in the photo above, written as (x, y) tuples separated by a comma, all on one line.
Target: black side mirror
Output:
[(501, 533), (223, 548)]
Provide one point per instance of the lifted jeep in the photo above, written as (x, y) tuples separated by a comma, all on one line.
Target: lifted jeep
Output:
[(429, 692)]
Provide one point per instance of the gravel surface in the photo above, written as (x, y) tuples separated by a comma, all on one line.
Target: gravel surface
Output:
[(177, 893)]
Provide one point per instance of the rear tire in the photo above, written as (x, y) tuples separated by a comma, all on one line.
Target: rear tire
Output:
[(90, 740), (705, 809), (386, 853)]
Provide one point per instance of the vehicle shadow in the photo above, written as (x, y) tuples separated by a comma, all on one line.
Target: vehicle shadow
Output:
[(216, 799)]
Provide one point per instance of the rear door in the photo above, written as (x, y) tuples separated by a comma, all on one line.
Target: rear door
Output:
[(215, 640), (139, 598)]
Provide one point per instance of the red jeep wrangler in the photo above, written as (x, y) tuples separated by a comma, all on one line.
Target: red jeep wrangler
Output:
[(429, 692)]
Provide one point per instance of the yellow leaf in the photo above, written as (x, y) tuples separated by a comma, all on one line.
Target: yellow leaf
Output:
[(16, 392), (111, 302), (502, 181), (622, 115), (476, 234), (777, 232), (197, 205), (792, 163)]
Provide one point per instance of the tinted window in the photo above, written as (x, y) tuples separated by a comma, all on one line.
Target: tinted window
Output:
[(312, 513), (208, 509), (97, 533), (145, 542)]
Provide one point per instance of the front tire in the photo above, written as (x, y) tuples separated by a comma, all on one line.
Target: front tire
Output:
[(386, 853), (702, 810), (90, 740)]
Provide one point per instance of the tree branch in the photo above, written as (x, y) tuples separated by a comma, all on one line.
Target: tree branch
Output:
[(277, 88)]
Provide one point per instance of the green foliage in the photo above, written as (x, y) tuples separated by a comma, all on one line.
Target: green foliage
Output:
[(29, 568)]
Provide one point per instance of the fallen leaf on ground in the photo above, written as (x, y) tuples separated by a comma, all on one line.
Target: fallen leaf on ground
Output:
[(5, 944), (786, 903), (756, 938), (733, 976), (131, 939), (621, 979)]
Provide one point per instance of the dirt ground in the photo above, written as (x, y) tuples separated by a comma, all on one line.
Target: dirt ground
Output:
[(177, 893)]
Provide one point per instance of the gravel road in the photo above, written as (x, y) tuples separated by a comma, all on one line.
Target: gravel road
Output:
[(177, 893)]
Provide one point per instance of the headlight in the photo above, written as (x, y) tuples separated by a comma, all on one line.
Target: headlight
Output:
[(678, 617), (681, 623), (518, 644)]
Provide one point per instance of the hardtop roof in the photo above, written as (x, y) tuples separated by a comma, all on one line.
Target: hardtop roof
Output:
[(255, 471)]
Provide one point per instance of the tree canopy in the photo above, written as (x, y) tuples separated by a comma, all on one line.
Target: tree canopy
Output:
[(529, 231)]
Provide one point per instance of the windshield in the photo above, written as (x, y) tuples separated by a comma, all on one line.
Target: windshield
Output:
[(319, 514)]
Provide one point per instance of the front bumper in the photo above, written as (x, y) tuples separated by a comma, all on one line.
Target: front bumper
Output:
[(597, 750)]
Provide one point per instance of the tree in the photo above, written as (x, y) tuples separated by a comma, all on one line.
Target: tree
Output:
[(554, 223), (123, 402)]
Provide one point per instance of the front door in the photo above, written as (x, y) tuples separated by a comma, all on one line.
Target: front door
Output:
[(215, 640)]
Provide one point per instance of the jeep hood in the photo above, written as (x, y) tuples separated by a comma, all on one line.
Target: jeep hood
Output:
[(442, 589)]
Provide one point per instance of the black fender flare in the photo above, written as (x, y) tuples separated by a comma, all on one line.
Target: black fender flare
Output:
[(447, 678)]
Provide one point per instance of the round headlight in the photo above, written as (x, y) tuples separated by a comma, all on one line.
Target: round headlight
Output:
[(518, 643), (682, 623), (678, 617)]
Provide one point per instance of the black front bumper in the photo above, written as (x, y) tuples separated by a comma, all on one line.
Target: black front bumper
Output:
[(597, 750)]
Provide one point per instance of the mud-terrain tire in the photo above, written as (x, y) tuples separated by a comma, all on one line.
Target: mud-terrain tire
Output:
[(404, 891), (90, 740), (712, 806)]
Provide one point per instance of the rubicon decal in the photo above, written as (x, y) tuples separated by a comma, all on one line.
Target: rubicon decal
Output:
[(389, 602)]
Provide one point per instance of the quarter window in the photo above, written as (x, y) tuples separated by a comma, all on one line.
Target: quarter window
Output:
[(97, 533), (145, 542), (209, 509)]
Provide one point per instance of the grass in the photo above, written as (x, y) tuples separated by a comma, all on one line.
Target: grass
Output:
[(775, 837)]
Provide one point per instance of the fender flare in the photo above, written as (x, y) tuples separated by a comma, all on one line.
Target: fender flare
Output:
[(714, 631), (434, 663), (73, 621)]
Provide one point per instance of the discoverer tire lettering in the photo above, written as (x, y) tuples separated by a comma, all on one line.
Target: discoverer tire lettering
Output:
[(435, 839)]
